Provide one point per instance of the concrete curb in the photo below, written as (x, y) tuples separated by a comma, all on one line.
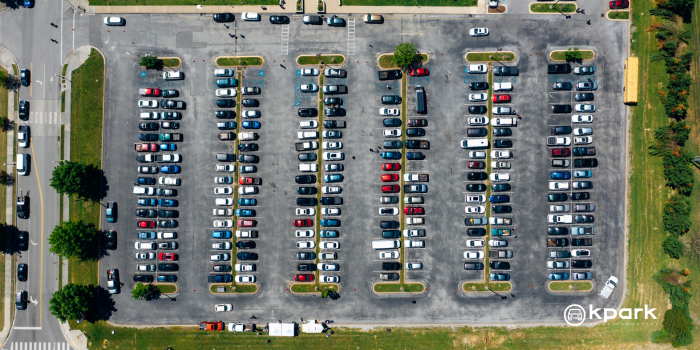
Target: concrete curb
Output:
[(587, 60), (386, 54), (345, 59), (568, 291), (515, 56), (529, 8), (398, 293), (242, 66), (617, 20)]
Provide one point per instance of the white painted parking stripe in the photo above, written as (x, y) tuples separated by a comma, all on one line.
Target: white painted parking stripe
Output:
[(351, 36), (285, 39)]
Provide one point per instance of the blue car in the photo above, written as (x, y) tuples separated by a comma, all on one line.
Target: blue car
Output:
[(146, 201), (170, 169), (583, 173), (391, 155), (245, 212), (222, 234), (146, 181), (29, 3), (167, 203), (333, 178), (168, 147), (226, 125), (560, 175), (328, 234), (247, 201), (330, 222), (414, 156), (499, 199), (147, 235), (250, 125)]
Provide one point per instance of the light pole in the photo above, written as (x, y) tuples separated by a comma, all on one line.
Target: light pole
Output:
[(502, 297), (61, 76)]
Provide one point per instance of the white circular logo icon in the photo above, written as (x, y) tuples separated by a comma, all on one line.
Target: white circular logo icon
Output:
[(574, 315)]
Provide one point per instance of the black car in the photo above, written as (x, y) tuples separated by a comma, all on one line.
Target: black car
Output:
[(334, 112), (225, 103), (584, 97), (476, 232), (392, 144), (391, 99), (417, 122), (307, 202), (169, 93), (476, 188), (279, 19), (585, 163), (500, 187), (389, 224), (307, 112), (111, 239), (250, 102), (477, 132), (561, 108), (22, 272), (223, 17), (414, 156), (307, 190), (222, 268), (332, 101), (582, 242), (557, 231), (248, 256), (24, 110), (306, 267), (245, 244), (22, 240), (391, 234), (168, 267), (562, 86), (248, 158), (480, 85), (585, 184), (502, 132), (389, 122), (25, 77), (148, 137), (300, 255), (168, 214), (477, 176), (225, 114), (148, 127), (143, 278), (581, 219), (583, 151), (580, 196), (557, 197), (502, 143), (501, 209), (477, 109), (581, 264), (391, 266), (145, 213), (331, 201), (499, 265), (414, 132), (305, 179), (247, 147), (474, 266), (307, 157), (561, 130)]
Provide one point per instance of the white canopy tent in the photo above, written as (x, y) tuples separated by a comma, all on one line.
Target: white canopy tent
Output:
[(278, 329)]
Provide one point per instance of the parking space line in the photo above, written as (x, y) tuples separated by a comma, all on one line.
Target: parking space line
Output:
[(284, 43), (351, 36)]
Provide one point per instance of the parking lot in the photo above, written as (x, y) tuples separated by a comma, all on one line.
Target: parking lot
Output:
[(445, 162)]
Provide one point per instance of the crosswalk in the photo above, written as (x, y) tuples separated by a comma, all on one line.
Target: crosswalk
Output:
[(44, 118), (37, 346), (285, 39), (351, 36)]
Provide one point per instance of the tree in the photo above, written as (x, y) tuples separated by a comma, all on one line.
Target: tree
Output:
[(405, 55), (676, 215), (75, 239), (72, 302), (573, 55), (673, 247), (678, 171), (78, 178), (678, 324), (150, 62), (143, 291)]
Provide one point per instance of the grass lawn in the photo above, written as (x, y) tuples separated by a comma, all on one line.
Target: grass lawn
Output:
[(239, 288), (166, 288), (398, 287), (179, 2), (239, 61), (170, 62), (619, 15), (87, 89), (571, 286), (329, 59), (481, 287), (485, 56), (63, 101), (561, 55), (557, 8), (409, 3), (387, 61), (311, 287)]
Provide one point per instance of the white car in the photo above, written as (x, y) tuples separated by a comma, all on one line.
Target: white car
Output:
[(222, 180), (479, 31), (221, 245), (220, 257), (223, 72), (306, 211), (477, 154), (145, 256), (304, 233), (584, 107), (499, 177), (226, 168), (414, 233), (170, 181), (250, 114), (222, 212), (413, 200), (477, 68), (414, 265), (247, 190), (225, 93), (223, 190), (475, 198), (310, 72), (308, 124), (474, 254), (244, 267), (145, 245), (479, 209), (557, 264), (389, 111), (558, 186), (331, 189), (245, 278), (557, 208), (144, 267), (330, 211), (149, 116), (582, 131), (308, 87), (578, 253), (500, 154), (333, 156), (415, 221), (250, 16), (583, 140), (478, 97), (392, 254), (308, 168), (475, 243), (580, 118), (306, 245), (223, 307), (332, 145), (329, 279), (498, 243), (166, 235), (223, 223), (478, 121), (148, 103), (392, 132), (114, 21), (327, 267), (388, 211), (329, 245)]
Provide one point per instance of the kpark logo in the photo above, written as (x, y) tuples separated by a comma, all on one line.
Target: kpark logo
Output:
[(575, 315)]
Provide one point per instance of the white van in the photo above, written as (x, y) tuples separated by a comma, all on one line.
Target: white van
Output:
[(22, 164), (386, 244), (475, 143)]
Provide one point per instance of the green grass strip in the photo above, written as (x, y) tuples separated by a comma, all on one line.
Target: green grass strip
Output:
[(311, 287), (422, 3), (166, 288), (619, 15), (63, 101), (387, 61), (398, 288), (481, 287), (545, 8), (571, 286), (234, 288), (180, 2), (561, 55), (490, 57), (239, 61), (327, 59)]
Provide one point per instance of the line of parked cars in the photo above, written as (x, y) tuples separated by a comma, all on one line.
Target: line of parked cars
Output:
[(571, 212), (332, 21)]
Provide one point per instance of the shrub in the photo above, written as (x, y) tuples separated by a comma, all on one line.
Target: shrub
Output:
[(405, 55), (573, 55), (150, 62), (679, 325), (678, 172), (676, 215), (673, 247)]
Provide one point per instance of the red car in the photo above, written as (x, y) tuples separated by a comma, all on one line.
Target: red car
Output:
[(476, 165), (391, 189), (391, 166), (211, 326), (146, 147), (167, 256), (245, 180), (419, 72), (500, 98), (303, 223), (146, 224), (561, 152), (151, 92), (306, 277), (246, 223), (619, 4), (413, 211), (390, 177)]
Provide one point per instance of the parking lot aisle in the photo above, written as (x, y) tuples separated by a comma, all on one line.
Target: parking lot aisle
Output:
[(319, 184), (489, 170)]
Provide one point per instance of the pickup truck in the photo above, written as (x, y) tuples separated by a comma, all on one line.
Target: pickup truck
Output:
[(227, 136), (250, 181), (241, 327), (608, 288), (145, 158), (334, 124), (145, 147), (211, 326), (334, 89), (389, 74), (414, 144), (500, 221), (501, 254), (173, 75), (502, 86), (149, 92), (581, 230), (172, 104), (247, 136), (305, 146), (558, 141), (581, 242), (501, 231), (22, 207), (559, 219), (247, 234), (148, 191), (415, 177), (306, 135), (504, 122), (557, 242), (505, 70), (331, 200), (170, 137), (113, 281), (167, 158), (414, 244), (475, 221), (558, 68), (500, 165)]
